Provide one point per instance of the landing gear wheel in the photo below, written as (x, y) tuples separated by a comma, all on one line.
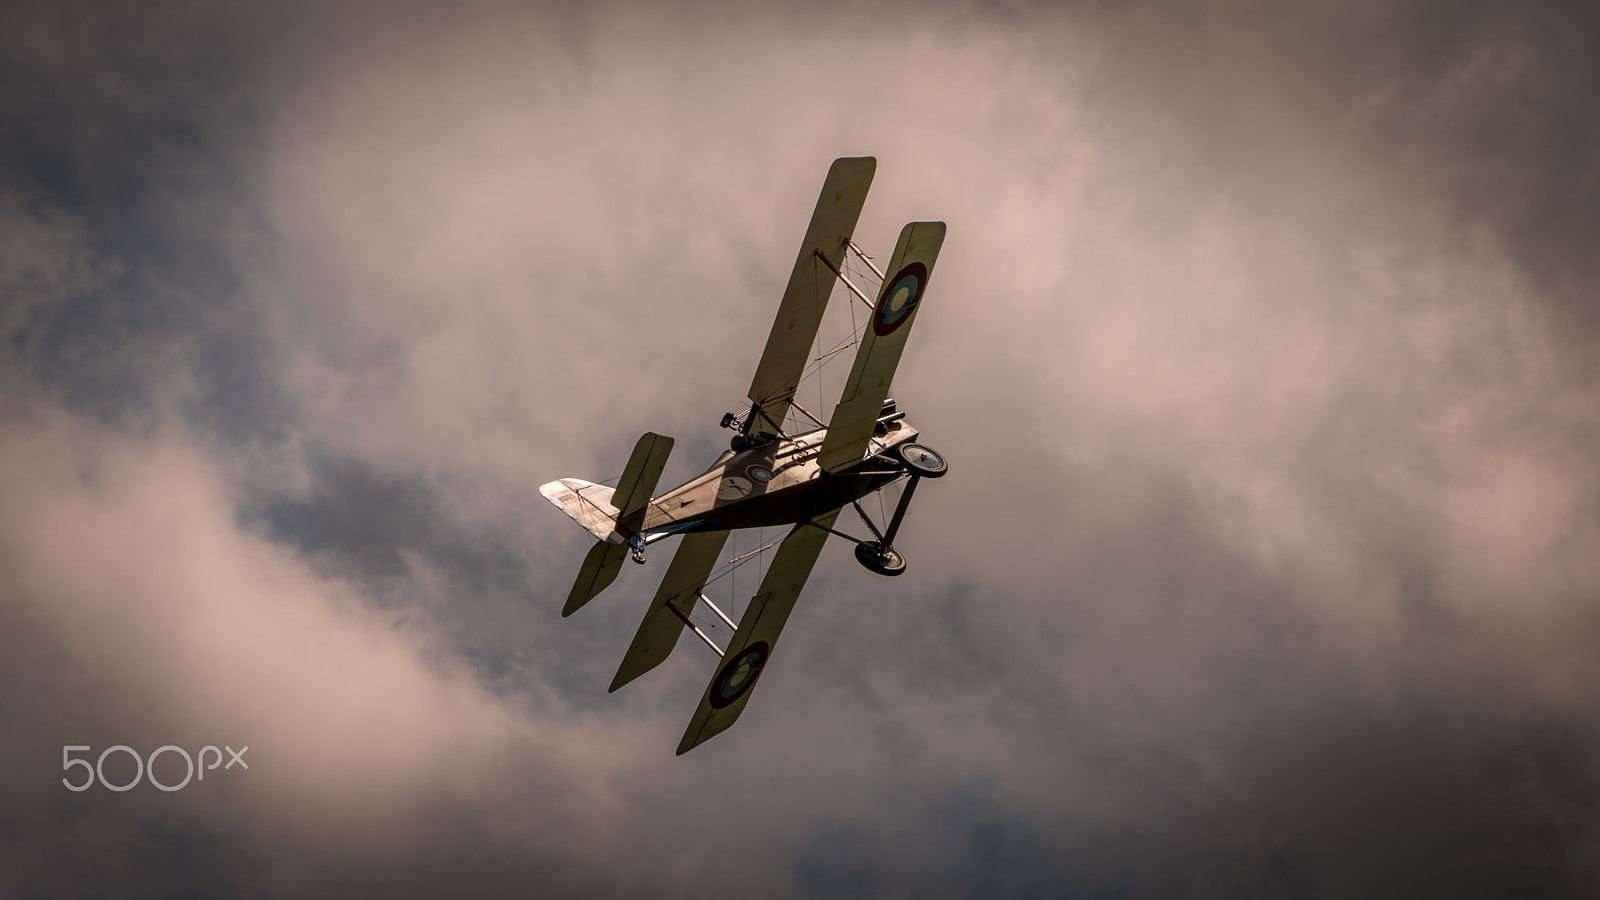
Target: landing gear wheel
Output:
[(880, 559), (922, 460)]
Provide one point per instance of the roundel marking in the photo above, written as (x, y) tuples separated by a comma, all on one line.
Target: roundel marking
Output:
[(733, 487), (759, 474), (901, 298), (739, 675)]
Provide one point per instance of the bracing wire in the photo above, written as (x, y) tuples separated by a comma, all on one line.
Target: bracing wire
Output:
[(733, 564), (853, 338), (729, 571), (761, 561), (856, 328)]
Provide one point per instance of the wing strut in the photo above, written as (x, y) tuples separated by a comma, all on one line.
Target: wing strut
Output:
[(669, 611), (864, 258), (684, 618), (844, 278), (703, 636)]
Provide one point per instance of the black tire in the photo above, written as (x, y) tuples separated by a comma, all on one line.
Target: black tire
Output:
[(922, 460), (880, 559)]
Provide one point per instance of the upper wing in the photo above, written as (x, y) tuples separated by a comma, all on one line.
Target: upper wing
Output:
[(868, 386), (758, 631), (799, 315)]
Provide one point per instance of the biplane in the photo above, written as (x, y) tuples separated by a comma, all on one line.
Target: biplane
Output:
[(784, 466)]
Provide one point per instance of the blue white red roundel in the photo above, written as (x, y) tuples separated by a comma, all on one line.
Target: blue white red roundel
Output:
[(759, 474), (899, 299), (739, 675)]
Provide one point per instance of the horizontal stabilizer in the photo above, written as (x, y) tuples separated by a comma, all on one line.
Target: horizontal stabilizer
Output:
[(679, 590), (600, 568), (640, 477), (587, 503), (758, 632)]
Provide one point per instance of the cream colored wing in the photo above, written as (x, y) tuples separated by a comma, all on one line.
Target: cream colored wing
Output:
[(800, 314), (758, 632), (881, 345), (680, 590)]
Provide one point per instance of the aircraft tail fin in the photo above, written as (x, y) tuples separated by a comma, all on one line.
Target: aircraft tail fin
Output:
[(639, 478), (611, 515)]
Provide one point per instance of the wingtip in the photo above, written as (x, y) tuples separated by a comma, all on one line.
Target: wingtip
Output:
[(619, 681), (692, 737)]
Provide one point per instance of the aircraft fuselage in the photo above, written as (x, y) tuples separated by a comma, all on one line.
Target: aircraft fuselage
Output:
[(778, 483)]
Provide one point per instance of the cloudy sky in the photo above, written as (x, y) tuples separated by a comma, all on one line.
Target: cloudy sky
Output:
[(1261, 346)]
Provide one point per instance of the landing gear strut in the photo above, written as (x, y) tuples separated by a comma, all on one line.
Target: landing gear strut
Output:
[(879, 555)]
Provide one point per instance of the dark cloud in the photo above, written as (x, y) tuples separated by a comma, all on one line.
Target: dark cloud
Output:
[(138, 131), (1482, 108), (1259, 347)]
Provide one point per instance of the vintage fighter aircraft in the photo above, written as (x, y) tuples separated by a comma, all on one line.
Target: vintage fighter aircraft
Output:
[(770, 476)]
